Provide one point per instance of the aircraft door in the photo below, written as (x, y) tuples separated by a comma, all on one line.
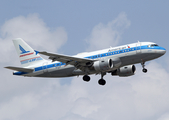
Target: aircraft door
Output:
[(45, 67), (138, 48)]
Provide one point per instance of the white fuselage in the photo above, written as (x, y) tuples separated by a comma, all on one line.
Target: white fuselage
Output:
[(126, 55)]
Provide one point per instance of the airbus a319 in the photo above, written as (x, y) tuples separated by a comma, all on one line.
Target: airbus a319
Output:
[(117, 61)]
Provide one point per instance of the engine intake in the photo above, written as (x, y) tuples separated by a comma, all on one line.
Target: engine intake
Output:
[(103, 65)]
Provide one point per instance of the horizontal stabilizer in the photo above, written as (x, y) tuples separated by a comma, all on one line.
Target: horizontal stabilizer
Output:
[(20, 69)]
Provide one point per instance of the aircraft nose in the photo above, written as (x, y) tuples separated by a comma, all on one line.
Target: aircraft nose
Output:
[(162, 51)]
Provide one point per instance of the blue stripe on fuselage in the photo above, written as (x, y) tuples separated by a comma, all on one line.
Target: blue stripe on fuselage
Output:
[(95, 57)]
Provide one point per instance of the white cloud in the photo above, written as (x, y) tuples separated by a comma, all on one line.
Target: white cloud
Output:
[(104, 36), (34, 31), (137, 97), (143, 96), (164, 117), (18, 106)]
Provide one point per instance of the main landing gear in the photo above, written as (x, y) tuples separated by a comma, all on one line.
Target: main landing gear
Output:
[(101, 81), (86, 78), (143, 65)]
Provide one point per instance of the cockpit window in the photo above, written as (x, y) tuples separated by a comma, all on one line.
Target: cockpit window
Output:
[(152, 45)]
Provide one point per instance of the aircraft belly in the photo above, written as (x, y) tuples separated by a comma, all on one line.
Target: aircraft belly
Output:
[(58, 72)]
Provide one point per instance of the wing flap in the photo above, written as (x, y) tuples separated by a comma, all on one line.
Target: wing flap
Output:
[(20, 69)]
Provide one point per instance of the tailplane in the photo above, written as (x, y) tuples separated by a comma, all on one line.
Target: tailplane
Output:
[(28, 57)]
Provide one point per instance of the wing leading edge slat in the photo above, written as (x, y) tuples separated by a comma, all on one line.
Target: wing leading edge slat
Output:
[(67, 59)]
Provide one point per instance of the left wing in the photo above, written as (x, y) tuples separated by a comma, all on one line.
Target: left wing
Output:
[(76, 61)]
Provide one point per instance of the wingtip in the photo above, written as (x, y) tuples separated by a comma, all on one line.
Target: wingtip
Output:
[(6, 67)]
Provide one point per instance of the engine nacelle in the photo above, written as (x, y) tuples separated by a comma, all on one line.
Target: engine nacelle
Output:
[(125, 71), (103, 65)]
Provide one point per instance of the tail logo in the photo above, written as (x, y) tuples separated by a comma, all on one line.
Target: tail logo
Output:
[(23, 51)]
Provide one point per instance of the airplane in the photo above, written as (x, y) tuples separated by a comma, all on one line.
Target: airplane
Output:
[(115, 60)]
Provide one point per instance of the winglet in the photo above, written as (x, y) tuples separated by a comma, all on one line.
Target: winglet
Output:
[(36, 52)]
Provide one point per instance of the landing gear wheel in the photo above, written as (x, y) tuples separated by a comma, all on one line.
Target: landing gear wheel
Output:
[(86, 78), (143, 65), (102, 82), (144, 70)]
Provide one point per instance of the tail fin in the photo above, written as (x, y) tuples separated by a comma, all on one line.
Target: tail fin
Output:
[(28, 57)]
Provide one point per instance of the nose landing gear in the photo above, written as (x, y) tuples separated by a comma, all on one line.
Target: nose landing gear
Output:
[(144, 69)]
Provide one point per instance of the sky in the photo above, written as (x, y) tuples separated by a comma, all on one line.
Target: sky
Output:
[(71, 27)]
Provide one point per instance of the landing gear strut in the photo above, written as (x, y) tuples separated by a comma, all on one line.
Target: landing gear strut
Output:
[(86, 78), (102, 81), (143, 65)]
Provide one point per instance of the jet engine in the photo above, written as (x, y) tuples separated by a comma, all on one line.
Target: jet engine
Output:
[(106, 64), (103, 65), (125, 71)]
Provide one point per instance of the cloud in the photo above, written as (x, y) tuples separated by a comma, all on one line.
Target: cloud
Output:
[(137, 96), (18, 106), (103, 36), (34, 31), (142, 96), (164, 117)]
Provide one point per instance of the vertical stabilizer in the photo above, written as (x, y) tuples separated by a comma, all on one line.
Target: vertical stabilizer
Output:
[(28, 57)]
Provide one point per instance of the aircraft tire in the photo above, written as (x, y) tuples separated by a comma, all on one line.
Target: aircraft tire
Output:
[(102, 82), (86, 78), (145, 70)]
